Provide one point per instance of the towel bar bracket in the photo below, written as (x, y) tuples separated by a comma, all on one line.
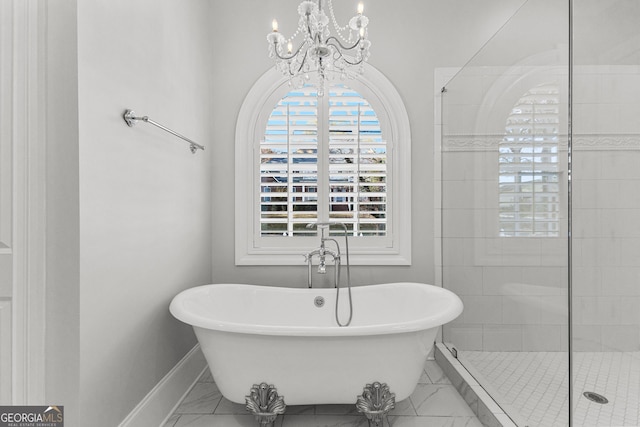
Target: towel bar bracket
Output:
[(130, 118)]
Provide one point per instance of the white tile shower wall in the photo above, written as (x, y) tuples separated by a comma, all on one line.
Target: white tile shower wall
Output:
[(514, 289), (607, 208)]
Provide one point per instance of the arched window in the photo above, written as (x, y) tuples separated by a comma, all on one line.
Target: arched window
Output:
[(528, 159), (342, 157), (298, 172)]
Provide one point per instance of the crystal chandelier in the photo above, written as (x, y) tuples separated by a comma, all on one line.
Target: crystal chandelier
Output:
[(318, 50)]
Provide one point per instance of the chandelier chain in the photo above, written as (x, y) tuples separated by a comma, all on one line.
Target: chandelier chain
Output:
[(293, 36), (338, 28)]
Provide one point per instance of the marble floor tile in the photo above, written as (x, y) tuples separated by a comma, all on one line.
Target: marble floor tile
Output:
[(300, 409), (404, 407), (206, 377), (193, 420), (171, 422), (324, 421), (424, 378), (337, 409), (202, 399), (435, 373), (404, 421), (435, 403), (440, 400), (227, 407)]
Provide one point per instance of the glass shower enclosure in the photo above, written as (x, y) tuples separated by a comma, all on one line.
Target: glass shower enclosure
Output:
[(539, 213)]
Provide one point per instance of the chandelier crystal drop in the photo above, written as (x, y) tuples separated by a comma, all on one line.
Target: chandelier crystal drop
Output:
[(330, 56)]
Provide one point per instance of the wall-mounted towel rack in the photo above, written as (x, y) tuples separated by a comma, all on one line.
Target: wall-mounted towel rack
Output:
[(130, 118)]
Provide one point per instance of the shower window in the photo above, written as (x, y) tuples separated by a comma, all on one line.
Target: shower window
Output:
[(342, 157), (528, 159)]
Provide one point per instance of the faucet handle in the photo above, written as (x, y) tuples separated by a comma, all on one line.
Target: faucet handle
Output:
[(322, 267)]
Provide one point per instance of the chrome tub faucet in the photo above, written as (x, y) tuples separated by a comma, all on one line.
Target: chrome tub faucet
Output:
[(322, 253)]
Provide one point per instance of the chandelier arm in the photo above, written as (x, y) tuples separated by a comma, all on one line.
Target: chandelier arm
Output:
[(293, 55), (341, 45), (341, 55), (344, 58), (304, 59)]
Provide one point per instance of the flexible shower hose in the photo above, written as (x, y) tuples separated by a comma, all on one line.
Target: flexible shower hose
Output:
[(346, 246)]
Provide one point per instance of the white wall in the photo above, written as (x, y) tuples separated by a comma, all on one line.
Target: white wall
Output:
[(144, 198), (62, 210), (409, 39)]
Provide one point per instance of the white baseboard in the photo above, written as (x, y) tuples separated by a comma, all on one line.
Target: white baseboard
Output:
[(159, 404)]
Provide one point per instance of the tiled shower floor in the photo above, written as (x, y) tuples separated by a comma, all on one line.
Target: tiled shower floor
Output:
[(435, 403), (534, 384)]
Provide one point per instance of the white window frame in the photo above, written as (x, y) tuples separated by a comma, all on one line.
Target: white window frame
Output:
[(251, 249)]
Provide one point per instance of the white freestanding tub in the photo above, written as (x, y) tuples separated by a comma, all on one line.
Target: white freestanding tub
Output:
[(252, 334)]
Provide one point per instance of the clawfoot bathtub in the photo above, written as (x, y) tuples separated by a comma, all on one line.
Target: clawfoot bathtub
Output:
[(288, 337)]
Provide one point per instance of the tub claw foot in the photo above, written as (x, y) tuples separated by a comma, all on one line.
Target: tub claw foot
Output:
[(375, 403), (265, 404)]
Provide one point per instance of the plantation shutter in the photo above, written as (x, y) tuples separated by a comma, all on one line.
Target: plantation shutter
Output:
[(289, 165), (357, 164), (354, 174), (529, 187)]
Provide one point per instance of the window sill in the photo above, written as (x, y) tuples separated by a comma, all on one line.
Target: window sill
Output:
[(380, 259)]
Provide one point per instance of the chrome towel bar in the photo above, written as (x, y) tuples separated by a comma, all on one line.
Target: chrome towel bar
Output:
[(130, 118)]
